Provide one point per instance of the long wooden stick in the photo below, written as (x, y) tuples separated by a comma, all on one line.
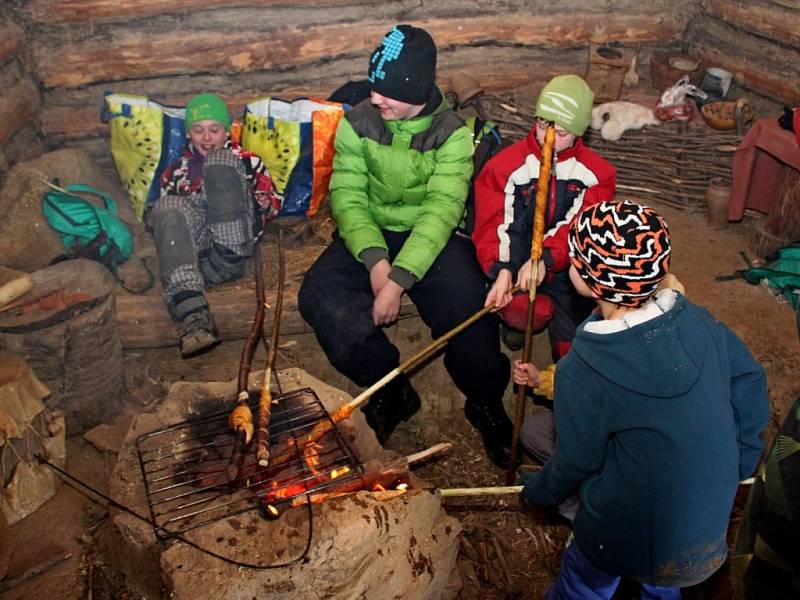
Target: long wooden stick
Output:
[(542, 190), (481, 491), (285, 452), (265, 400), (241, 419)]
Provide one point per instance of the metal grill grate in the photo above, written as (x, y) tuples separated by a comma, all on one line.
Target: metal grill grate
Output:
[(184, 465)]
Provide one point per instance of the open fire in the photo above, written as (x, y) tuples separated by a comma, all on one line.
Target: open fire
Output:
[(184, 467)]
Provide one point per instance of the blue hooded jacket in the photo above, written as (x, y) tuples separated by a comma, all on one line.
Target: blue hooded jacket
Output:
[(655, 427)]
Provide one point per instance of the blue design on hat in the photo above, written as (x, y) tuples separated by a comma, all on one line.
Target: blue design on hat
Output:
[(392, 47)]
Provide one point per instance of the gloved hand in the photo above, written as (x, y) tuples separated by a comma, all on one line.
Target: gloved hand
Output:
[(785, 120), (528, 481)]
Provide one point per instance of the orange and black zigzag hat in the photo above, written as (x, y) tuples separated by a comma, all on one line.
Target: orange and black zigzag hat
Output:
[(621, 250)]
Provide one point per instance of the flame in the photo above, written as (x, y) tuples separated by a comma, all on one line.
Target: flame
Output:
[(311, 454), (378, 488), (339, 472), (402, 486)]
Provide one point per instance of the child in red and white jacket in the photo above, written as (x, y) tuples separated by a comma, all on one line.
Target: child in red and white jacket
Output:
[(505, 194)]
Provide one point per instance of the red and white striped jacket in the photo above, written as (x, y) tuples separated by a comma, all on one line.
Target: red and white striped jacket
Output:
[(505, 198)]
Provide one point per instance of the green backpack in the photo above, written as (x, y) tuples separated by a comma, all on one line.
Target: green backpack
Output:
[(87, 230), (782, 273)]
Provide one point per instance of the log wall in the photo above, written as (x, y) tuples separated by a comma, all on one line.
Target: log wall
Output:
[(757, 40), (20, 97), (242, 49), (58, 57)]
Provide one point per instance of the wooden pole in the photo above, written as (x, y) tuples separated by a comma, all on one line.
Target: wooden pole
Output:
[(481, 491), (241, 419), (542, 190), (265, 400)]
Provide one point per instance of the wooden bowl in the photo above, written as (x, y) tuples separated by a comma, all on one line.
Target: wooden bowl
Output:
[(666, 68), (722, 115)]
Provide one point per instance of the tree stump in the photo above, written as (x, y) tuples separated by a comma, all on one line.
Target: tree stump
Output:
[(782, 225), (66, 329)]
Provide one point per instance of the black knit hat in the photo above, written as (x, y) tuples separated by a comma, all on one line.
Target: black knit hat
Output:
[(403, 67)]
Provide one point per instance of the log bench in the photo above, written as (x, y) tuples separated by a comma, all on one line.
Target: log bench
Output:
[(143, 320)]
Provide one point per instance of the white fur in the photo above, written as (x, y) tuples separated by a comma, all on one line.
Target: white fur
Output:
[(621, 117)]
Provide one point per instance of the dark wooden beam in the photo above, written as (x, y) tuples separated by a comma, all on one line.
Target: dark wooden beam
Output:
[(77, 11), (779, 24)]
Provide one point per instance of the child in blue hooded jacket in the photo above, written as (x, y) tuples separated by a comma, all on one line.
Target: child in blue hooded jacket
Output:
[(658, 408)]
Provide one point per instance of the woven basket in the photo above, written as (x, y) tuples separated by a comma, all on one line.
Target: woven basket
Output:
[(722, 115)]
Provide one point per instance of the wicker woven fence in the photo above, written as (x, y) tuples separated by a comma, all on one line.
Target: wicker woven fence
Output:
[(671, 163)]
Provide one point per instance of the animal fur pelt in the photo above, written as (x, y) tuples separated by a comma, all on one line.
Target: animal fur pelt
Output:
[(614, 118)]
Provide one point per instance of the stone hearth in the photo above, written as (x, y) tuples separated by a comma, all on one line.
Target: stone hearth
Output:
[(361, 547)]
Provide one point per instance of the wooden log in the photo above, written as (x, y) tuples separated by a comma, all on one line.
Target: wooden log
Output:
[(143, 321), (18, 105), (751, 76), (75, 122), (377, 476), (131, 55), (11, 39), (758, 18), (74, 350), (84, 121), (60, 11)]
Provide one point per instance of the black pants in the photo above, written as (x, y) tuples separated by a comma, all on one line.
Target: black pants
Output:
[(336, 300)]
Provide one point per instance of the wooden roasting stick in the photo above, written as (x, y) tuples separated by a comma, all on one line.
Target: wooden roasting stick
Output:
[(542, 190), (265, 400), (285, 452), (375, 472), (241, 419), (481, 491)]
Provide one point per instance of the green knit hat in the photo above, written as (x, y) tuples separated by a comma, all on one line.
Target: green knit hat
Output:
[(207, 106), (567, 101)]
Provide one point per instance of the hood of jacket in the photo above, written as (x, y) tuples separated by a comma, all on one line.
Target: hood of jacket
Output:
[(655, 363)]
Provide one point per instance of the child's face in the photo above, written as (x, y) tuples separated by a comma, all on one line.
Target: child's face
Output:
[(580, 284), (394, 110), (564, 139), (207, 135)]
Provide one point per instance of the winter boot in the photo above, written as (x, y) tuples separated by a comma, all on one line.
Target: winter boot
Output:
[(496, 429), (389, 406), (198, 332)]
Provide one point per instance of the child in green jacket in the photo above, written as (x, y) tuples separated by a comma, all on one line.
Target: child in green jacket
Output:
[(400, 179)]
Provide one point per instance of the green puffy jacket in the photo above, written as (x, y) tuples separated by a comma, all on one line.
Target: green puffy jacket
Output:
[(410, 174)]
